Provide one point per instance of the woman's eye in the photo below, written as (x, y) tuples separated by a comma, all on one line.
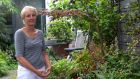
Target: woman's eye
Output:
[(33, 15), (27, 15)]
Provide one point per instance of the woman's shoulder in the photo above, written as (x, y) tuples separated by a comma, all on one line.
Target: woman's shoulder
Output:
[(40, 31), (19, 32)]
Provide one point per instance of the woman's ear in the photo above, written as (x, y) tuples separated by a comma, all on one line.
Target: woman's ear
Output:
[(23, 21)]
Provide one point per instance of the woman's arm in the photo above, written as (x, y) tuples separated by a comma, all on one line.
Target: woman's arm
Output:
[(46, 57), (47, 63), (27, 65)]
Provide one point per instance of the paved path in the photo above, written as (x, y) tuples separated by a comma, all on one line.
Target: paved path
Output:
[(11, 75)]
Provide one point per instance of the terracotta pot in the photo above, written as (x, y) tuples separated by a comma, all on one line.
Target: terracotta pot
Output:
[(59, 49)]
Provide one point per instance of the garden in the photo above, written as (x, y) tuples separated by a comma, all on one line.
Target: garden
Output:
[(103, 22)]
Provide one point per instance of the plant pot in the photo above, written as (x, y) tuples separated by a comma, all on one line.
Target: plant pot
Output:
[(51, 42), (59, 49)]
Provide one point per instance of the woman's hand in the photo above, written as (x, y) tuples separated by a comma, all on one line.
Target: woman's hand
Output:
[(42, 73), (47, 72)]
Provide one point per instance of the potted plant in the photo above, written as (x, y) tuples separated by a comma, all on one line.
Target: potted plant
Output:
[(60, 31)]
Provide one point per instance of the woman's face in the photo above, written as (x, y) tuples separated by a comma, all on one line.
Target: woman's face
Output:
[(30, 17)]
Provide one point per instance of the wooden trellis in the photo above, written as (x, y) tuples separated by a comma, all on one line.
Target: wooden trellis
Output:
[(60, 13)]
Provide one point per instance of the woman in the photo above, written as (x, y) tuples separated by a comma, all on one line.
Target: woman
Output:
[(32, 59)]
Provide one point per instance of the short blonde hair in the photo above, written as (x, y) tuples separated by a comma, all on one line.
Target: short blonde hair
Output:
[(23, 11)]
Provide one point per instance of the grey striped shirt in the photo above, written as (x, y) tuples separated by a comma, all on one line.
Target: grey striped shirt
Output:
[(30, 48)]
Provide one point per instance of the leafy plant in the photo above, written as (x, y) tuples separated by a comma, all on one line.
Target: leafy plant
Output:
[(131, 21), (62, 69), (100, 19), (5, 63), (6, 7), (86, 64), (60, 5), (6, 60), (119, 65), (60, 29), (81, 66)]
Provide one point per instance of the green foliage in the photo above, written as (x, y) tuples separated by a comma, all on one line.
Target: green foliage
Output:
[(116, 64), (4, 35), (131, 25), (81, 66), (103, 18), (132, 20), (132, 17), (11, 53), (107, 21), (100, 19), (6, 7), (119, 65), (62, 69), (81, 24), (6, 52), (85, 61), (5, 63), (86, 64), (61, 29), (60, 5)]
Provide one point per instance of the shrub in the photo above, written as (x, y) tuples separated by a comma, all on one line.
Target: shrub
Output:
[(119, 65), (62, 69), (5, 63), (82, 66), (60, 29)]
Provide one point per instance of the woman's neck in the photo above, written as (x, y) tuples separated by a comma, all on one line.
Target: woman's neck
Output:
[(29, 28)]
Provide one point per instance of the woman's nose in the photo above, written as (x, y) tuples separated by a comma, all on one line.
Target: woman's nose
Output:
[(31, 16)]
